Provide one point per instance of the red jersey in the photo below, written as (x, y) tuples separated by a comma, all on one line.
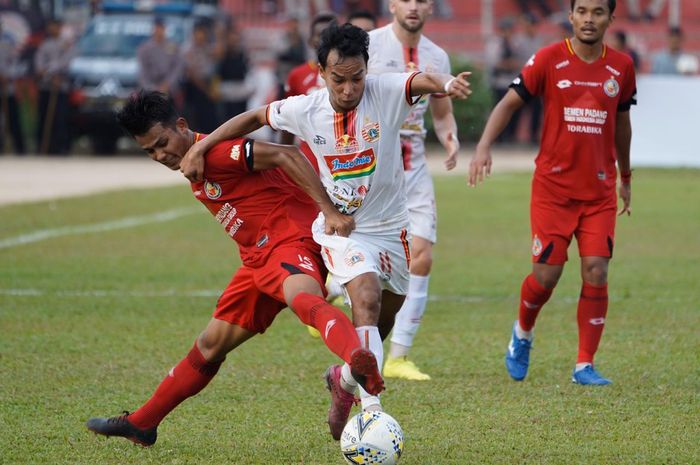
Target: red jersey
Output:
[(258, 209), (303, 79), (581, 102)]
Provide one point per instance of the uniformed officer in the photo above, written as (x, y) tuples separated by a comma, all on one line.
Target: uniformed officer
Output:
[(9, 115), (160, 63)]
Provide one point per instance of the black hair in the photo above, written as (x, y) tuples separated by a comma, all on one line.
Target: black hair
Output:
[(612, 4), (347, 40), (362, 14), (622, 37), (675, 31), (321, 18), (145, 109)]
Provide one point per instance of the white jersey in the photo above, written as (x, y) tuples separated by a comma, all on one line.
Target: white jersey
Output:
[(388, 55), (358, 152)]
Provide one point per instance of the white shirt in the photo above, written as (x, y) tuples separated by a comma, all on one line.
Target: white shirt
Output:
[(358, 152), (388, 55)]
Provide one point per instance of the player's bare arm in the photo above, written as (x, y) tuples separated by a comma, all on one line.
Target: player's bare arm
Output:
[(623, 139), (445, 129), (435, 83), (298, 168), (192, 164), (480, 165)]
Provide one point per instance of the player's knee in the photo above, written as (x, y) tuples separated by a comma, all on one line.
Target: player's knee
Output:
[(213, 345), (366, 305), (548, 278), (596, 274), (422, 262)]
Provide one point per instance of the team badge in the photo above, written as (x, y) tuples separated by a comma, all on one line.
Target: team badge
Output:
[(611, 87), (536, 246), (411, 66), (352, 258), (346, 143), (212, 189), (370, 132)]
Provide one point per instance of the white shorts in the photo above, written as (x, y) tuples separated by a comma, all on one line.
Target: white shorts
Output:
[(386, 254), (421, 203)]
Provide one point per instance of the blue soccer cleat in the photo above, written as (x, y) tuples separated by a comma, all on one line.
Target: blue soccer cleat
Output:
[(518, 356), (588, 375)]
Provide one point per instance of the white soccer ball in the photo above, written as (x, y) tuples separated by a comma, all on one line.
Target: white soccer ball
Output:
[(372, 438)]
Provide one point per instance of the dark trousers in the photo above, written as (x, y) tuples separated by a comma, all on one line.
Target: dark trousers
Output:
[(10, 123), (58, 137), (200, 110), (509, 134)]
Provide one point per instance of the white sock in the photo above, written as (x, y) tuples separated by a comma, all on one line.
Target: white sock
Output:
[(398, 350), (581, 366), (411, 314), (371, 403), (370, 339), (522, 334), (347, 382), (334, 288)]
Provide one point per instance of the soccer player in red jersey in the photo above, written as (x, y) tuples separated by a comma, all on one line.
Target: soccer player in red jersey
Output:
[(247, 188), (587, 89)]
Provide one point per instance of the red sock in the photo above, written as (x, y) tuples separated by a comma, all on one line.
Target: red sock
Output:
[(532, 297), (335, 327), (186, 379), (592, 309)]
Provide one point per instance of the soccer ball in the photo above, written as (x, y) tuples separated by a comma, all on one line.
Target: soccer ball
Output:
[(372, 438)]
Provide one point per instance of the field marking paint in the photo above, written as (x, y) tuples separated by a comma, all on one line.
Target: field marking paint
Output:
[(124, 223)]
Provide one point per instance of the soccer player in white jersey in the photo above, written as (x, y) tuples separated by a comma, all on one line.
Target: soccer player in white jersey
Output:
[(352, 127), (400, 47)]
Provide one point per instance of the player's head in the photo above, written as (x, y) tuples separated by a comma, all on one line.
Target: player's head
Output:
[(591, 18), (342, 58), (411, 14), (150, 118), (363, 19), (318, 24)]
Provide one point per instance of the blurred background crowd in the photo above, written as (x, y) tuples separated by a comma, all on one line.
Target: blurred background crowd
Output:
[(65, 65)]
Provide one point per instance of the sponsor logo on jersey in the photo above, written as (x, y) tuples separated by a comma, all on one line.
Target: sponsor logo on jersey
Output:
[(517, 81), (370, 132), (564, 84), (262, 241), (353, 258), (536, 246), (353, 165), (346, 144), (212, 189), (611, 87), (319, 140), (531, 61), (602, 176), (236, 152), (561, 65), (612, 70)]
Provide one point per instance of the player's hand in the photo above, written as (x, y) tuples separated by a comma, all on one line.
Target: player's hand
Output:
[(625, 191), (338, 224), (192, 164), (480, 165), (459, 87), (452, 147)]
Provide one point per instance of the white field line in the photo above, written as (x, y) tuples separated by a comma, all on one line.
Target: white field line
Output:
[(124, 223)]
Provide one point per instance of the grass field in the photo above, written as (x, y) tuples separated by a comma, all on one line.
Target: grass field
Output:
[(90, 322)]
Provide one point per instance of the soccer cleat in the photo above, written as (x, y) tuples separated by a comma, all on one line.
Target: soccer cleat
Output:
[(518, 356), (403, 368), (590, 376), (313, 332), (363, 367), (120, 426), (341, 402)]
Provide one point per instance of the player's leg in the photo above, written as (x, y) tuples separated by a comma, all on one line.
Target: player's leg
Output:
[(184, 380), (595, 236)]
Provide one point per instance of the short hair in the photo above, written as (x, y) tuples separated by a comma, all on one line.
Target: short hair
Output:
[(145, 109), (362, 14), (612, 4), (675, 31), (347, 40), (321, 18)]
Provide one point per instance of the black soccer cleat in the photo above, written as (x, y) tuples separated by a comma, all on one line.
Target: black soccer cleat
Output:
[(120, 426)]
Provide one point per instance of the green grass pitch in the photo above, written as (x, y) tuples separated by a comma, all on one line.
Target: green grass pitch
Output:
[(90, 322)]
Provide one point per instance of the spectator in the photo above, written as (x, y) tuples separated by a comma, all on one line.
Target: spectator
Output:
[(51, 66), (526, 44), (503, 65), (302, 8), (654, 10), (10, 122), (363, 19), (673, 60), (198, 66), (160, 63), (619, 42), (294, 54), (528, 6), (234, 88)]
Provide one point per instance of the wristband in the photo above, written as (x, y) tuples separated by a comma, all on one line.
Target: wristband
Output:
[(447, 85), (626, 177)]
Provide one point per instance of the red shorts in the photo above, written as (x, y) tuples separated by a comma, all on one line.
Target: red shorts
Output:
[(255, 296), (555, 220)]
